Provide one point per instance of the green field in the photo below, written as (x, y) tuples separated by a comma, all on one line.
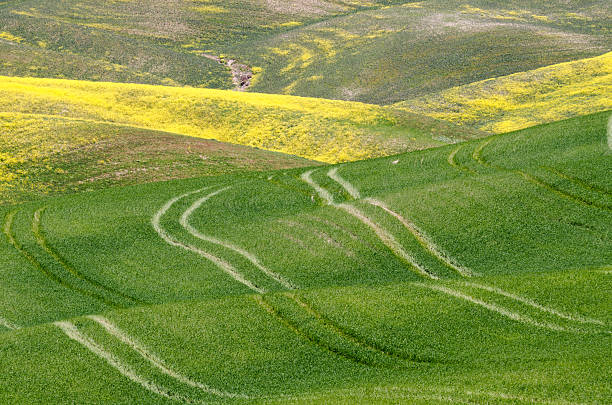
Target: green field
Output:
[(476, 272), (305, 202)]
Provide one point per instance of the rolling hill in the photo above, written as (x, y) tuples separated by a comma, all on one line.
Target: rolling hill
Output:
[(476, 272), (42, 155), (146, 41), (396, 53), (322, 130), (376, 51), (524, 99)]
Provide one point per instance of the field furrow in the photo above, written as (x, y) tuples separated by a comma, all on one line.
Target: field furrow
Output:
[(578, 181), (43, 268), (116, 296), (320, 337), (538, 181), (352, 337)]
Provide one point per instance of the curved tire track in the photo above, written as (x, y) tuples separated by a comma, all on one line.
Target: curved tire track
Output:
[(453, 162), (533, 304), (172, 241), (260, 300), (350, 336), (465, 272), (73, 333), (158, 363), (477, 156), (500, 310), (46, 272), (184, 221), (424, 240), (577, 181), (385, 237)]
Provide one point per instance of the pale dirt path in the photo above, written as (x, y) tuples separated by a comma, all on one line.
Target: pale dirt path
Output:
[(425, 240), (241, 73), (146, 354), (385, 237), (500, 310), (532, 303), (353, 192), (184, 221), (222, 264), (7, 324), (125, 370)]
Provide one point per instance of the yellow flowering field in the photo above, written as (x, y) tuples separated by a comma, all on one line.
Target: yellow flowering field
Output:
[(323, 130), (30, 139), (524, 99)]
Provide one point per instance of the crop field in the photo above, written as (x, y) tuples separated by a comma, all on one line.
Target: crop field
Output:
[(305, 202), (524, 99), (477, 272)]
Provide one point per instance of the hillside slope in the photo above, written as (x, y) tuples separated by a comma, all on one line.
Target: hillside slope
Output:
[(381, 51), (45, 155), (146, 41), (396, 53), (477, 272), (524, 99), (322, 130)]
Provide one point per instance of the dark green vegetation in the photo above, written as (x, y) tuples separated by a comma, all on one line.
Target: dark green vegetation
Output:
[(380, 51), (319, 285)]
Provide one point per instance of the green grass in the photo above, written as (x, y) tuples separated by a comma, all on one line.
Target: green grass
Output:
[(529, 212)]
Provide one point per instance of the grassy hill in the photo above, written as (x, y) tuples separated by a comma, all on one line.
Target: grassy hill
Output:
[(524, 99), (42, 155), (145, 41), (396, 53), (322, 130), (477, 272), (381, 51)]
